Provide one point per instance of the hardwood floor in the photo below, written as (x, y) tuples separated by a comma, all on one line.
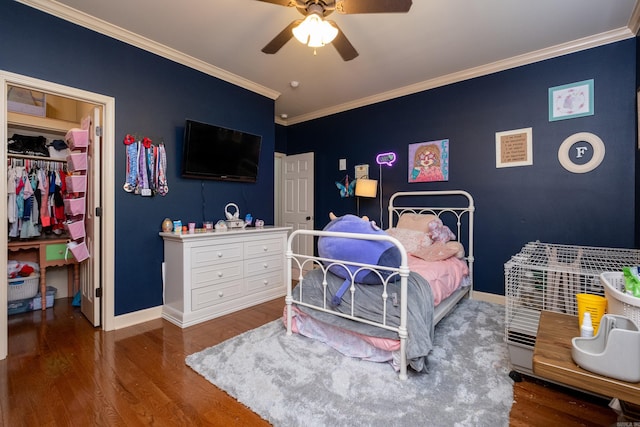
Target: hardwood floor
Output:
[(60, 372)]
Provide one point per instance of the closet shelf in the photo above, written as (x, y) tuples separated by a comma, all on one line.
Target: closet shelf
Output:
[(44, 123), (26, 157)]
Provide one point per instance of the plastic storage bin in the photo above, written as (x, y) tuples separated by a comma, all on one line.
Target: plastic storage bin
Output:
[(22, 287), (614, 352), (619, 302), (75, 206), (75, 229), (50, 296), (34, 303), (77, 138), (76, 183), (77, 162)]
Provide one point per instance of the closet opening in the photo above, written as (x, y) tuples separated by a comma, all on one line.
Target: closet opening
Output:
[(55, 189), (50, 194)]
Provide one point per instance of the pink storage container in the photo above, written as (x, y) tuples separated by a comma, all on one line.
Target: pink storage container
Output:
[(79, 250), (75, 229), (75, 206), (77, 162), (76, 183), (77, 138)]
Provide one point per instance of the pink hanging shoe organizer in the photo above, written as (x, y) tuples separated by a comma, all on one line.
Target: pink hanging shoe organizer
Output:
[(77, 138), (75, 206), (75, 229), (77, 162), (79, 250), (76, 183)]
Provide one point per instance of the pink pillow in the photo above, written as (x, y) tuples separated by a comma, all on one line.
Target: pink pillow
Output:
[(417, 222), (411, 240)]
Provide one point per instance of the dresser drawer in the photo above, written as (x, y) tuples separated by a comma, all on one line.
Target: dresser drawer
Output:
[(57, 252), (211, 255), (214, 295), (216, 274), (264, 247), (265, 282), (264, 265)]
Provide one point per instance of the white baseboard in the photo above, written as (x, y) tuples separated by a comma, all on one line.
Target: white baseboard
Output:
[(141, 316), (485, 296)]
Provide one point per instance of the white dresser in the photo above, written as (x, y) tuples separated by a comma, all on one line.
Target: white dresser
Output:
[(211, 274)]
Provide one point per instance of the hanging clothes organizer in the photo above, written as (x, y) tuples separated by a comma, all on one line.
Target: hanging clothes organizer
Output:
[(75, 204)]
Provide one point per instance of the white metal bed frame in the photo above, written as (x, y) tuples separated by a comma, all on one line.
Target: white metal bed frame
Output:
[(303, 262)]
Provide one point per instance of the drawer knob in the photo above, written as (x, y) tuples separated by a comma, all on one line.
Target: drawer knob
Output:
[(265, 282), (220, 294), (265, 265), (264, 248), (219, 254), (219, 273)]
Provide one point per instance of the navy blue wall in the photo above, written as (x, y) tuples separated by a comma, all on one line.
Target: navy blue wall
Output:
[(513, 205), (153, 97)]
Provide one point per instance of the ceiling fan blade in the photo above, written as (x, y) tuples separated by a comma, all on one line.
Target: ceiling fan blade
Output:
[(281, 39), (343, 45), (288, 3), (373, 6)]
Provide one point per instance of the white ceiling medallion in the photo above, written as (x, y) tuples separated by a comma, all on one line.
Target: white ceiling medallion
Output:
[(593, 143)]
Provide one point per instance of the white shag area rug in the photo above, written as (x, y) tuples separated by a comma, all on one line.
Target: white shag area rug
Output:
[(295, 381)]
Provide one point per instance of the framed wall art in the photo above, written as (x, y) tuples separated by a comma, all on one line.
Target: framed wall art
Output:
[(429, 161), (514, 148), (571, 100)]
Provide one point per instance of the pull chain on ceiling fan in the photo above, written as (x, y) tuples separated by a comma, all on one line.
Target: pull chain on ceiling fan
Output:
[(315, 31)]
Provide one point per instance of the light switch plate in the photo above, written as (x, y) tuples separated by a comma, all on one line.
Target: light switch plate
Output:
[(342, 165)]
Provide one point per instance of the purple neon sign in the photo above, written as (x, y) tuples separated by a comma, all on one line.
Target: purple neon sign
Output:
[(386, 158)]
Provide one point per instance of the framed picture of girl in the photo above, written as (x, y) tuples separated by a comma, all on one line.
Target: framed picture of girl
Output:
[(429, 161)]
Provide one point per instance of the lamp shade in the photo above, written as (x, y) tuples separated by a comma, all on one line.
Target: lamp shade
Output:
[(366, 187)]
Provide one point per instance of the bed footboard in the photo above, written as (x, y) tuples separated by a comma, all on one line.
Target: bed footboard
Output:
[(300, 263)]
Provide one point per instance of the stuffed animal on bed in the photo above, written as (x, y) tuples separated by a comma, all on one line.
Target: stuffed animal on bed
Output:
[(356, 250)]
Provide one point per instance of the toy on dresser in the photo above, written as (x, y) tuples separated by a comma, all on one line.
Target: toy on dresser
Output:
[(233, 219)]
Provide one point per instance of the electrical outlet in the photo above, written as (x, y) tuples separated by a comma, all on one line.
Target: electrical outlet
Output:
[(342, 165)]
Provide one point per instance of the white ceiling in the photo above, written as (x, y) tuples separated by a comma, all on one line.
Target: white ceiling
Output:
[(437, 42)]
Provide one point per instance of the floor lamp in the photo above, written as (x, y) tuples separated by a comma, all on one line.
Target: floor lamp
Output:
[(388, 159), (365, 187)]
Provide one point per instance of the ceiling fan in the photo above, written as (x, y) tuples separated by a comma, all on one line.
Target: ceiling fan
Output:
[(317, 10)]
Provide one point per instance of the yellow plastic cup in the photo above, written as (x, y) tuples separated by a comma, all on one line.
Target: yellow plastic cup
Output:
[(595, 305)]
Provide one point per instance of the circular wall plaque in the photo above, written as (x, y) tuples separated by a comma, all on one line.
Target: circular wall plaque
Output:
[(598, 152)]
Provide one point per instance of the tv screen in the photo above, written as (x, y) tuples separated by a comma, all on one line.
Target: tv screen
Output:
[(214, 152)]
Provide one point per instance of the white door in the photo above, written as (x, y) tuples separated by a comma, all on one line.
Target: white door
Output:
[(90, 270), (297, 211)]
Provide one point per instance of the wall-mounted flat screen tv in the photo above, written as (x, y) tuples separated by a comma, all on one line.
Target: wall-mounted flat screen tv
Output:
[(215, 152)]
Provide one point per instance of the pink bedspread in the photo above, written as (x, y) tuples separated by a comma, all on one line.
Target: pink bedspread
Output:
[(444, 277)]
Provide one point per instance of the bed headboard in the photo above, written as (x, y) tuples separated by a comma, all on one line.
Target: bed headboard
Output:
[(455, 209)]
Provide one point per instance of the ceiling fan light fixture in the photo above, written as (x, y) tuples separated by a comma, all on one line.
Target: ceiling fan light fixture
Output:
[(314, 31)]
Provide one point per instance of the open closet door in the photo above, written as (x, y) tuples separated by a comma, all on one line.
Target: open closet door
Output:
[(90, 274)]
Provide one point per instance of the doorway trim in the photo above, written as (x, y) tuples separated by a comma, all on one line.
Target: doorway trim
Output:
[(106, 189)]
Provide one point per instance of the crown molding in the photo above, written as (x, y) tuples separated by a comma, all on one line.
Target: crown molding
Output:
[(87, 21), (61, 11), (516, 61), (634, 20)]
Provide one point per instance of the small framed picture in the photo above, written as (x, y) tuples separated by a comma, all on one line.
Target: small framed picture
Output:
[(571, 100), (514, 148)]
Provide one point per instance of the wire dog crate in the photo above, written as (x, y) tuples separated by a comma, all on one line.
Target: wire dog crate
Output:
[(547, 276)]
